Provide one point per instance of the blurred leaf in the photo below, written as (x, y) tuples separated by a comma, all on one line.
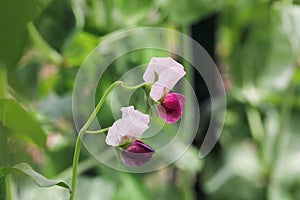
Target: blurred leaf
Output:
[(43, 46), (186, 12), (31, 191), (20, 122), (255, 124), (56, 23), (2, 188), (93, 188), (265, 32), (244, 37), (36, 177), (63, 105), (241, 169), (190, 162), (272, 123), (24, 80), (280, 64), (79, 47), (286, 171), (291, 25), (14, 15), (131, 12), (131, 189)]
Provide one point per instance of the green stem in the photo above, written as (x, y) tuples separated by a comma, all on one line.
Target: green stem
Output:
[(83, 130), (122, 84), (98, 131), (285, 114), (3, 81), (285, 111), (43, 46), (4, 147), (75, 163), (255, 124)]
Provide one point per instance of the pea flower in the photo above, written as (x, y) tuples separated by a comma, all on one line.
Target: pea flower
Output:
[(125, 132), (171, 107), (169, 73)]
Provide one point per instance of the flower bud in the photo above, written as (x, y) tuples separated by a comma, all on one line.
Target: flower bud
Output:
[(137, 154), (171, 107)]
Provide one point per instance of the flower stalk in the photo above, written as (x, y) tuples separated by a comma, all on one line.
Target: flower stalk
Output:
[(84, 130), (97, 131)]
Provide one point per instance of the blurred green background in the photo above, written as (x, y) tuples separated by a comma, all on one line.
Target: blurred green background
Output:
[(255, 44)]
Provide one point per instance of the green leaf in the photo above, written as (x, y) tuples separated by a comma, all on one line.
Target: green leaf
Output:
[(79, 46), (20, 123), (92, 188), (280, 65), (131, 12), (36, 177), (188, 11), (189, 162), (56, 24), (14, 15), (291, 26), (269, 32), (243, 37)]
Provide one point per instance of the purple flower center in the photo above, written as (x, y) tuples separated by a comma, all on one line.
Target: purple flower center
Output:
[(139, 147), (137, 154)]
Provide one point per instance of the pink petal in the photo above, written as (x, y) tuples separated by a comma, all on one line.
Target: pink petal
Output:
[(156, 65), (157, 91), (169, 73), (171, 108), (132, 125), (135, 114), (116, 136), (137, 154)]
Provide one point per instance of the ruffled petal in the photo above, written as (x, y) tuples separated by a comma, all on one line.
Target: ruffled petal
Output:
[(132, 125), (171, 108), (156, 65), (157, 91), (116, 136), (169, 73), (135, 114)]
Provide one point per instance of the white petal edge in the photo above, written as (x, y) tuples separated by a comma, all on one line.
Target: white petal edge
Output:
[(158, 65), (167, 79), (115, 135), (132, 125), (135, 114)]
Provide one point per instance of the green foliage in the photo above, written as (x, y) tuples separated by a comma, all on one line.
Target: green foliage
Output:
[(257, 42), (56, 23), (79, 46), (186, 12), (27, 170), (20, 123), (14, 15)]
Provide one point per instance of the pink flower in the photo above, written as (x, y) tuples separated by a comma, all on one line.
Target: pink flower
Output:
[(125, 132), (171, 108), (169, 73)]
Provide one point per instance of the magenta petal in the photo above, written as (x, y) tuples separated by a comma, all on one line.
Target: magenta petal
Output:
[(171, 108), (137, 154)]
